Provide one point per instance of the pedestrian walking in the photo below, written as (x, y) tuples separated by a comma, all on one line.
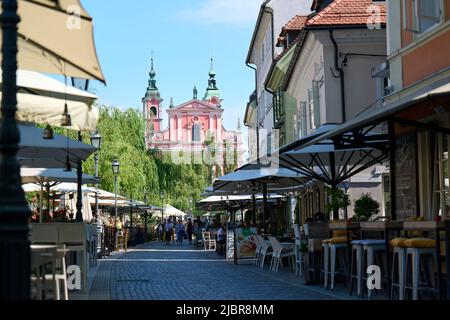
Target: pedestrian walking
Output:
[(189, 229), (161, 230), (169, 231), (180, 232)]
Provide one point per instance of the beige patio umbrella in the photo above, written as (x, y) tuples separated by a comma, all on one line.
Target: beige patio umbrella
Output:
[(57, 37)]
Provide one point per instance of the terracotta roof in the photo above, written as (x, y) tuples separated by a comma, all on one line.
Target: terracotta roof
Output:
[(296, 23), (346, 12)]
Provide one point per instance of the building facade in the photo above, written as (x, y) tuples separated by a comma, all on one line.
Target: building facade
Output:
[(323, 76), (195, 130), (418, 64)]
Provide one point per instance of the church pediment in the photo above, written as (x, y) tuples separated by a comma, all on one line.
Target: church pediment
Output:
[(196, 105)]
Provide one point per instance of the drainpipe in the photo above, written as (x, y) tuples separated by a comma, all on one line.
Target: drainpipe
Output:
[(341, 75), (257, 117)]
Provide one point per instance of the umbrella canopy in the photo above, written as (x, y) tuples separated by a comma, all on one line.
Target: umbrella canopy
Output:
[(42, 100), (106, 195), (331, 163), (61, 187), (247, 178), (34, 151), (33, 175), (61, 42)]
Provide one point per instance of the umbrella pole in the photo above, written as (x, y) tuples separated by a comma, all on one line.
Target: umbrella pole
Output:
[(41, 203), (254, 209), (79, 216), (265, 211), (14, 210), (234, 237)]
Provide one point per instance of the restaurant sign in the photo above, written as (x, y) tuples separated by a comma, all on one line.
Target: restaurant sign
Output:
[(245, 245)]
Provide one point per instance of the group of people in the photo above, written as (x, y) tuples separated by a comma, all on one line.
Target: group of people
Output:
[(169, 231)]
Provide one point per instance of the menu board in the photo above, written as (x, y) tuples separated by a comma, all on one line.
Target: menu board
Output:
[(245, 245), (406, 176)]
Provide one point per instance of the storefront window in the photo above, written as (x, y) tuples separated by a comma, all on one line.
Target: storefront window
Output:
[(441, 201)]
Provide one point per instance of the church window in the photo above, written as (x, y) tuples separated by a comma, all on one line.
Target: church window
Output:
[(153, 111), (196, 132)]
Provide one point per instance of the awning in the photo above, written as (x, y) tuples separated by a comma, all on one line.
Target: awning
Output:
[(57, 37), (280, 69)]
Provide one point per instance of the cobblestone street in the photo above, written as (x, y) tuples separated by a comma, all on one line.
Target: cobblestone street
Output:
[(158, 272)]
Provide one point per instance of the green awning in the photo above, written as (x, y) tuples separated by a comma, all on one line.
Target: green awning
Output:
[(278, 73)]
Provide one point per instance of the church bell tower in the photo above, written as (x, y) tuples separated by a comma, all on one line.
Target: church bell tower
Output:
[(152, 104)]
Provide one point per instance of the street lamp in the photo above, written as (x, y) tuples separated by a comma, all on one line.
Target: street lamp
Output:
[(115, 170), (96, 142)]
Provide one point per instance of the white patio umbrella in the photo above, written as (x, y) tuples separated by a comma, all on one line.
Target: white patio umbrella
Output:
[(42, 176), (42, 100), (57, 37), (34, 151)]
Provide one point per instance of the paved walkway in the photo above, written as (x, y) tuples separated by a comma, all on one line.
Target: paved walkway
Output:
[(157, 272)]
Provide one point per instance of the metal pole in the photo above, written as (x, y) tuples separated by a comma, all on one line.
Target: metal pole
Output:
[(266, 209), (391, 133), (96, 186), (79, 216), (254, 209), (234, 237), (131, 211), (14, 210), (115, 197), (334, 184)]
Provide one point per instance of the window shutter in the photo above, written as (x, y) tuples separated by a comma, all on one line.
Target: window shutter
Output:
[(311, 108), (316, 98), (304, 118)]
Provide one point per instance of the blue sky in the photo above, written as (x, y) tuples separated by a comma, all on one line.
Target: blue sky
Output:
[(183, 35)]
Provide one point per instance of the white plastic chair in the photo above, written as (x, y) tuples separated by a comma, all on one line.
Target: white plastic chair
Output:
[(266, 250), (279, 252), (258, 249)]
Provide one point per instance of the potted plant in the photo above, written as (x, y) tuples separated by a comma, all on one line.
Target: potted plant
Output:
[(365, 207), (337, 200)]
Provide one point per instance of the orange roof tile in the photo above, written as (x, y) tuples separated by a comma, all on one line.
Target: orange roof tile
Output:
[(296, 23), (346, 12)]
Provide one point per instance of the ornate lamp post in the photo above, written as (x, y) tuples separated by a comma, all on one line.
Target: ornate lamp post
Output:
[(96, 142), (115, 169), (14, 211)]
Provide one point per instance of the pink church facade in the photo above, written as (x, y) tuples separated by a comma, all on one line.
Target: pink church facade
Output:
[(195, 128)]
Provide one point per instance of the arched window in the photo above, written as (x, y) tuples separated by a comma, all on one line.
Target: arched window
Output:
[(153, 112), (196, 132)]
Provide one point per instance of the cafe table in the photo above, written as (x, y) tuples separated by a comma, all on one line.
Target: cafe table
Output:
[(384, 227), (348, 227), (436, 227)]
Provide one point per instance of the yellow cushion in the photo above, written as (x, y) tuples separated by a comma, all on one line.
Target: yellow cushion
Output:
[(339, 233), (420, 243), (398, 242), (336, 240)]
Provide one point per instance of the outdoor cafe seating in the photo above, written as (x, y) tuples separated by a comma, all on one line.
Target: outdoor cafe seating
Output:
[(411, 255)]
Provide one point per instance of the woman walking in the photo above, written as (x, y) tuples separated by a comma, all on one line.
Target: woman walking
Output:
[(180, 232)]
